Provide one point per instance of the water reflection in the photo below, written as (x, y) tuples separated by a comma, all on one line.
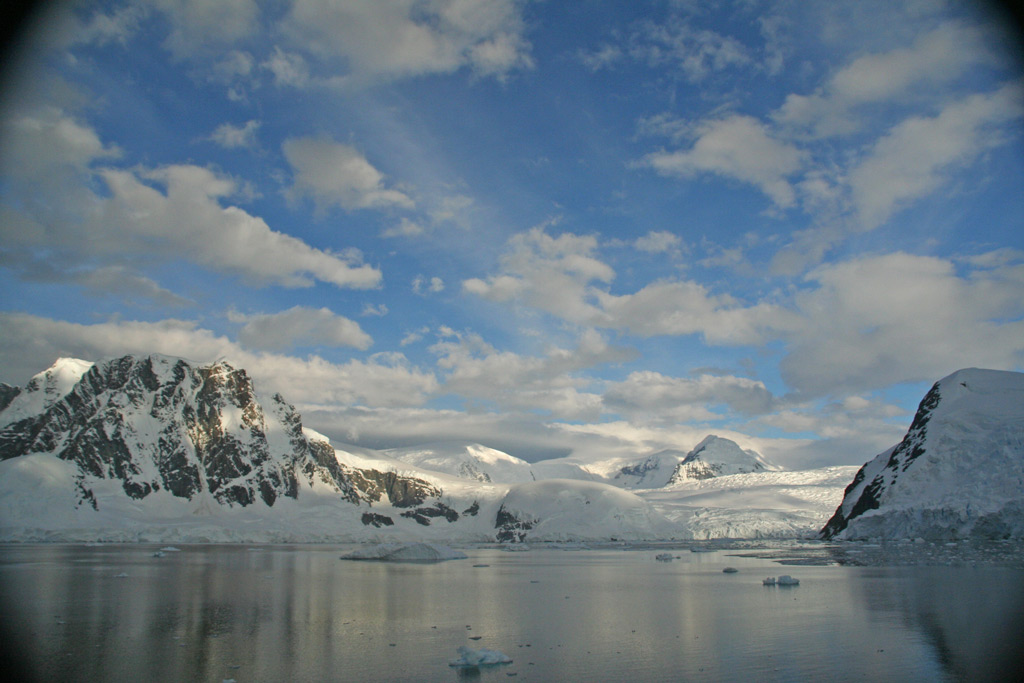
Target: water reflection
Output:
[(301, 614)]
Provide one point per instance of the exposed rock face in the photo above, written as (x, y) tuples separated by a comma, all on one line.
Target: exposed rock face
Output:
[(7, 394), (510, 529), (158, 423), (958, 472)]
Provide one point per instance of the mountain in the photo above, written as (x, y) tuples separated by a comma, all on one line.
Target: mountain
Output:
[(156, 448), (716, 457), (958, 472)]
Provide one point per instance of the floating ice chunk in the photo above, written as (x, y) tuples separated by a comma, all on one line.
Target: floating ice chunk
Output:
[(158, 553), (170, 549), (730, 570), (663, 557), (406, 552), (770, 581), (787, 580), (702, 550), (469, 658), (122, 575)]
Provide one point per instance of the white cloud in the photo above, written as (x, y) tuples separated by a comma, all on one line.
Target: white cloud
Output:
[(659, 242), (403, 38), (738, 147), (552, 274), (29, 344), (880, 320), (301, 326), (157, 214), (420, 285), (934, 59), (687, 307), (198, 25), (915, 157), (476, 370), (380, 310), (697, 53), (335, 174), (231, 137), (648, 396)]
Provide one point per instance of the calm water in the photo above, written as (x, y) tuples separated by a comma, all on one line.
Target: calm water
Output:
[(298, 613)]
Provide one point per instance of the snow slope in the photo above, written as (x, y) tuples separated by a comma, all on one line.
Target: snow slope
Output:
[(958, 472), (715, 457), (468, 461)]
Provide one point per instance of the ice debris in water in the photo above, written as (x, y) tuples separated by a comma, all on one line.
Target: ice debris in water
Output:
[(663, 557), (170, 549), (787, 580), (469, 657), (770, 581), (406, 552), (730, 570), (158, 553), (122, 575)]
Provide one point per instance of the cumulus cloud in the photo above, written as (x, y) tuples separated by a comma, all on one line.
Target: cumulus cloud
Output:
[(335, 174), (738, 147), (474, 369), (232, 137), (300, 326), (552, 274), (29, 344), (197, 25), (404, 38), (914, 158), (651, 396), (935, 58), (171, 212), (874, 321), (659, 242)]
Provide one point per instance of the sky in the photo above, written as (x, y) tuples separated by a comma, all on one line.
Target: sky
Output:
[(590, 228)]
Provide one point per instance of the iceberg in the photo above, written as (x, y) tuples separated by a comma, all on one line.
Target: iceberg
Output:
[(663, 557), (470, 658), (787, 580), (406, 552), (770, 581)]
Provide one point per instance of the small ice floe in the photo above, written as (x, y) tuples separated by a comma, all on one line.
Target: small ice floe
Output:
[(170, 549), (730, 570), (702, 550), (787, 580), (470, 658), (158, 553), (406, 552), (663, 557), (122, 575), (770, 581)]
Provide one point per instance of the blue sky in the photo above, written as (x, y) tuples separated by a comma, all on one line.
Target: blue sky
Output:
[(596, 228)]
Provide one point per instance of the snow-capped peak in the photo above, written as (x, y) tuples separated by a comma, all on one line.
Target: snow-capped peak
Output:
[(45, 389), (466, 460), (717, 456)]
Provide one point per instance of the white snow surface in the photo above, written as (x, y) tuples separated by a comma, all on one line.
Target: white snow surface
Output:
[(469, 461), (45, 389), (969, 477), (717, 456)]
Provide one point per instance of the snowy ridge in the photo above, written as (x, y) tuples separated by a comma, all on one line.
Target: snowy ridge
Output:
[(161, 449), (958, 472)]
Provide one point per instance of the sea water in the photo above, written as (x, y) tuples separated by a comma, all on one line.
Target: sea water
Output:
[(299, 613)]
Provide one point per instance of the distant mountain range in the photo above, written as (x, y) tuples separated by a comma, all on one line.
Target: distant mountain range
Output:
[(159, 448)]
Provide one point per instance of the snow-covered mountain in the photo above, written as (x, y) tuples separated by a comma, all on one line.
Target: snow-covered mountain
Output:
[(163, 449), (716, 457), (958, 472)]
